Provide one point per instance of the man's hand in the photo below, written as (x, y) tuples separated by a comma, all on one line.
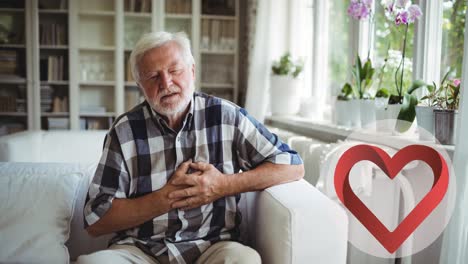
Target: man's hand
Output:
[(206, 185)]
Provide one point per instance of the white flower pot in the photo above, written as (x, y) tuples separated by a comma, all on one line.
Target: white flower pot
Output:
[(386, 117), (341, 113), (425, 118), (285, 97), (354, 113), (367, 108)]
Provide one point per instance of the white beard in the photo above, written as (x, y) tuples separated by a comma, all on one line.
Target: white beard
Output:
[(173, 109)]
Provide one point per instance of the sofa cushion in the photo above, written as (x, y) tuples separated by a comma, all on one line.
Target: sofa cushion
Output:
[(36, 206)]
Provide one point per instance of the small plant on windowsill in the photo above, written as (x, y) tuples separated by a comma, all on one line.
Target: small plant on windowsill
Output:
[(285, 96), (446, 111), (287, 66)]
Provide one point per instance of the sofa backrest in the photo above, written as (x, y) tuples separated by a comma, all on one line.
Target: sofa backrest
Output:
[(53, 146)]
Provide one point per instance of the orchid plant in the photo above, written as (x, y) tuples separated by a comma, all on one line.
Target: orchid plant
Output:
[(403, 13), (362, 72)]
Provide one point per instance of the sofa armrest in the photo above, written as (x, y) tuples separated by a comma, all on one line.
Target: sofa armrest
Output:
[(296, 223)]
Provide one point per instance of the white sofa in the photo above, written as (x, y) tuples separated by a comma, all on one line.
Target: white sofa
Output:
[(289, 223)]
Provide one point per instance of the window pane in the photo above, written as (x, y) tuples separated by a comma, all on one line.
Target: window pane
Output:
[(338, 51), (453, 30), (389, 40)]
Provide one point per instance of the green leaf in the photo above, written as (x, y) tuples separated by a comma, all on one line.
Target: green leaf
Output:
[(416, 85), (407, 113), (382, 92), (358, 69)]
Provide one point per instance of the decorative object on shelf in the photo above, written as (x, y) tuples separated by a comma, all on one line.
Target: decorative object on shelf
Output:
[(285, 93), (446, 112)]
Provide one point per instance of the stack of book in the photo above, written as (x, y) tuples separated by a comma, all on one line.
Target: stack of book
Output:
[(52, 34), (95, 123), (217, 35), (58, 123), (132, 98), (46, 98), (52, 68), (8, 62), (7, 103), (179, 6), (138, 6)]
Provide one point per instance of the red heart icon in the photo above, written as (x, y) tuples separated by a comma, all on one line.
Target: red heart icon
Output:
[(391, 166)]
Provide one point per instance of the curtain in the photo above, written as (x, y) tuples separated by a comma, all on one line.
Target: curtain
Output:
[(279, 26), (455, 245)]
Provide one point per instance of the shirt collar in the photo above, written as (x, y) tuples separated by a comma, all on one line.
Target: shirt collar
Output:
[(162, 124)]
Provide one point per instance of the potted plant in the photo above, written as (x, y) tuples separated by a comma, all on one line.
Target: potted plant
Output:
[(360, 110), (285, 96), (425, 110), (403, 102), (342, 106), (446, 112)]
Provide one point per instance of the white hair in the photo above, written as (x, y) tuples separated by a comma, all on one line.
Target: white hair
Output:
[(156, 39)]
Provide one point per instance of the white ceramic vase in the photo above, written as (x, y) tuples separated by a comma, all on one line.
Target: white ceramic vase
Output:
[(367, 108), (341, 113), (285, 97)]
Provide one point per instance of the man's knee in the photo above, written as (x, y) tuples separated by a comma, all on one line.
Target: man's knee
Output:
[(238, 253), (103, 256)]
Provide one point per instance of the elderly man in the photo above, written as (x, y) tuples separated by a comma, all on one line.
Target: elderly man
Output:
[(168, 182)]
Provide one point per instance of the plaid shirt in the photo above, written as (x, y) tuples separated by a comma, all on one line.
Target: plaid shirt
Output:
[(141, 153)]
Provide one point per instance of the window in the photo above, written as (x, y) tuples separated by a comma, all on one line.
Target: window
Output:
[(338, 51), (453, 30), (388, 45)]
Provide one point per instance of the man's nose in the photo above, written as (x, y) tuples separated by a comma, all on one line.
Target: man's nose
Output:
[(166, 80)]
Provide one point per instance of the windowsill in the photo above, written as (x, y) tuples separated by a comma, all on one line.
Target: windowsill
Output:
[(328, 132)]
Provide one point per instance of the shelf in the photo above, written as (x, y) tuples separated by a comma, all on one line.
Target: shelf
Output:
[(55, 82), (53, 11), (16, 10), (15, 46), (12, 81), (107, 114), (218, 17), (96, 13), (97, 83), (179, 16), (55, 114), (13, 114), (137, 15), (98, 48), (54, 47), (217, 85), (218, 52), (131, 84)]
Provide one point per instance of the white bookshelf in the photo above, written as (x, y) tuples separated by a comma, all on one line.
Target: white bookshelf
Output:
[(99, 38)]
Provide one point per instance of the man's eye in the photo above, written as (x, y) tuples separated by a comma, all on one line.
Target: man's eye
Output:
[(176, 71)]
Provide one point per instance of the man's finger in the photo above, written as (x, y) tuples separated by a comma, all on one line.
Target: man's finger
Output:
[(184, 180), (201, 166), (191, 202), (184, 166), (187, 192)]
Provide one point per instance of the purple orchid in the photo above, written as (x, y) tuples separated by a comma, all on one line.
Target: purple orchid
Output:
[(402, 12), (414, 13), (402, 3), (360, 9), (456, 82), (402, 18)]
